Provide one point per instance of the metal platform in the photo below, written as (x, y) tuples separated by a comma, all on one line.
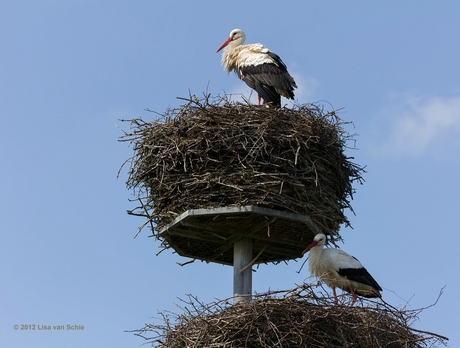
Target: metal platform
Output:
[(209, 234), (240, 236)]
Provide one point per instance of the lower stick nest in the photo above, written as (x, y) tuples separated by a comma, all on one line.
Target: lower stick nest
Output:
[(221, 153), (294, 318)]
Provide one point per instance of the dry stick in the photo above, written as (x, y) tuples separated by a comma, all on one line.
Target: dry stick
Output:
[(185, 263), (148, 221), (430, 333), (253, 260)]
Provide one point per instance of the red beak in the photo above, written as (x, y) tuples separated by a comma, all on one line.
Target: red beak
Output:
[(224, 44), (310, 246)]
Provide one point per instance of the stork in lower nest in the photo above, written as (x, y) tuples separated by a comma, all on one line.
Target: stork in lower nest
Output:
[(339, 269)]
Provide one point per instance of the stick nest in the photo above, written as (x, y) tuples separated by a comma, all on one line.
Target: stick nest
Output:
[(210, 154), (295, 318)]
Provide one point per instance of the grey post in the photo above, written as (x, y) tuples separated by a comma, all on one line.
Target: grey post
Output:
[(242, 280)]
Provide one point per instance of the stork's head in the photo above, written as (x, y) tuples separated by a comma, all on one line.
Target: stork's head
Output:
[(236, 38), (319, 240)]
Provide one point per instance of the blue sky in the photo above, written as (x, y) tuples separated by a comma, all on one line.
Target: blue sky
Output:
[(69, 70)]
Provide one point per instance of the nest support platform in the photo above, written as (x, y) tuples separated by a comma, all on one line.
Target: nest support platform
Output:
[(239, 236), (209, 234)]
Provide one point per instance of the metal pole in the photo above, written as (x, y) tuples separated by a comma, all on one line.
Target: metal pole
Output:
[(242, 281)]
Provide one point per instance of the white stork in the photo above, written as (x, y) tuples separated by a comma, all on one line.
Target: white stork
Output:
[(339, 269), (261, 69)]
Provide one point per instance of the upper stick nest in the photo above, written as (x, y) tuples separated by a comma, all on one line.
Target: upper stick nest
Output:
[(222, 153)]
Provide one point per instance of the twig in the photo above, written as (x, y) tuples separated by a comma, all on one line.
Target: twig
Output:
[(254, 259)]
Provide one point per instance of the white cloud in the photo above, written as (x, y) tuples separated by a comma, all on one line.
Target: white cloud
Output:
[(421, 125), (306, 87)]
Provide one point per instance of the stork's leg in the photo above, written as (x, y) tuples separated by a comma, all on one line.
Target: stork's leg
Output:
[(258, 99), (354, 296), (336, 301)]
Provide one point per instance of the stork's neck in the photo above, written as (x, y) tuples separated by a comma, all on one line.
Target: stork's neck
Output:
[(230, 55), (314, 260)]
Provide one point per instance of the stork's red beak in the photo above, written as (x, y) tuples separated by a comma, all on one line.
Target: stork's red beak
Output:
[(224, 44), (314, 243)]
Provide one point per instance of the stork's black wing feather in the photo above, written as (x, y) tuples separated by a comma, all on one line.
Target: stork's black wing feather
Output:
[(278, 61), (360, 275), (266, 92), (269, 80)]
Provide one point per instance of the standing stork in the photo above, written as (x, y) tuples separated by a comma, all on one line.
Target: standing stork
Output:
[(261, 69), (339, 269)]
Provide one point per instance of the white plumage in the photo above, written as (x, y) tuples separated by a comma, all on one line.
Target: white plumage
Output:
[(339, 269), (261, 69)]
